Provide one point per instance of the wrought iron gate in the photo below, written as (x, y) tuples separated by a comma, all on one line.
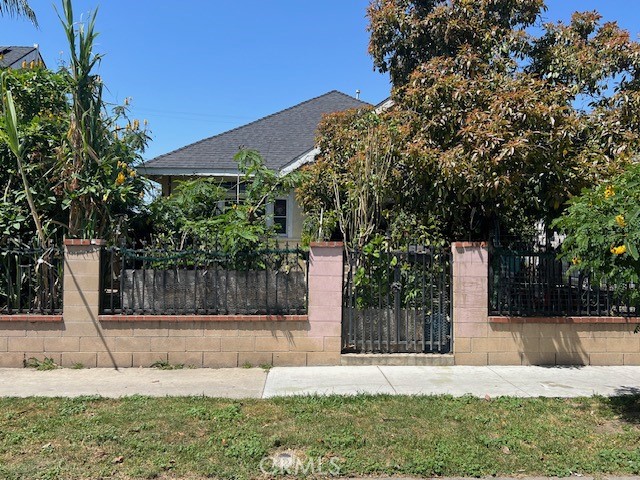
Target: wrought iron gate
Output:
[(397, 301)]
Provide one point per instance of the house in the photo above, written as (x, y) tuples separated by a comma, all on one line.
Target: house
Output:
[(20, 57), (286, 140)]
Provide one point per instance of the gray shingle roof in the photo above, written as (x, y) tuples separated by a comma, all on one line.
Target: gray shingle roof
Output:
[(280, 138), (13, 56)]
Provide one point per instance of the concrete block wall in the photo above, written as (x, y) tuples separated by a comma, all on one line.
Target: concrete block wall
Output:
[(479, 339), (82, 336)]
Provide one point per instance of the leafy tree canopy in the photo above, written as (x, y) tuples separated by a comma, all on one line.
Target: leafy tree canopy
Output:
[(490, 124)]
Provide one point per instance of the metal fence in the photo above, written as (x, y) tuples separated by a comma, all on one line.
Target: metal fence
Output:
[(530, 283), (397, 302), (195, 282), (31, 281)]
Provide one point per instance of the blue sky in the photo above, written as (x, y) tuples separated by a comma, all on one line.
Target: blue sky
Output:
[(211, 65)]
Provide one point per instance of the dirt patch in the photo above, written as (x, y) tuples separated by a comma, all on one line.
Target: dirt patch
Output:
[(610, 427)]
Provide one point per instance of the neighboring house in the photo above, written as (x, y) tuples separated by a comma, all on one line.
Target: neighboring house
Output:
[(286, 140), (20, 57)]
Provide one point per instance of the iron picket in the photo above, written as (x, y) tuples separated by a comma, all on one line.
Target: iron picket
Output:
[(537, 283), (397, 301), (194, 282)]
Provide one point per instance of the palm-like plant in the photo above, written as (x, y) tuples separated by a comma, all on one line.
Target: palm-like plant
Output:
[(86, 128), (18, 8), (99, 183)]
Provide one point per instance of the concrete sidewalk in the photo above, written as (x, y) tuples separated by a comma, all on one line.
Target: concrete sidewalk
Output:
[(256, 383)]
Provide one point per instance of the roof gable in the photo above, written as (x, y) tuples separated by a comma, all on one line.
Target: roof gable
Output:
[(12, 56), (280, 138)]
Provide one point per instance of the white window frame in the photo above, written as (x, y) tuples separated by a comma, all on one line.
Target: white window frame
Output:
[(270, 222)]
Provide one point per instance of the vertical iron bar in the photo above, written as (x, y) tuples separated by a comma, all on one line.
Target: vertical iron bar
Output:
[(287, 279), (196, 259), (350, 297), (226, 272), (449, 287), (216, 285), (164, 270), (52, 286), (31, 273), (588, 296), (185, 283), (266, 285), (111, 289), (379, 318), (7, 261), (404, 303), (19, 283), (432, 300), (598, 299), (423, 312), (123, 269)]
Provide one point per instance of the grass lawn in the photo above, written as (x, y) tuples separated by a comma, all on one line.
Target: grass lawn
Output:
[(141, 437)]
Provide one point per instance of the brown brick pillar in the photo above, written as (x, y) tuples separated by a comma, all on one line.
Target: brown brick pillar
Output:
[(470, 301), (325, 301), (81, 299)]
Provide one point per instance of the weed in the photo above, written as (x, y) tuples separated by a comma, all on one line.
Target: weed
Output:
[(73, 406), (247, 365), (164, 365), (77, 366), (46, 364), (266, 367)]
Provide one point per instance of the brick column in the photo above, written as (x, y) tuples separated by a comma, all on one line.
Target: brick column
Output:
[(470, 301), (325, 301), (81, 299)]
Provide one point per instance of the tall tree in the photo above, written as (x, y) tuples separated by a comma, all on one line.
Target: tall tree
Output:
[(500, 127), (95, 159), (66, 160), (408, 33)]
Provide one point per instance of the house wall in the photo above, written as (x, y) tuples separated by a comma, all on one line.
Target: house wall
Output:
[(479, 339), (82, 336)]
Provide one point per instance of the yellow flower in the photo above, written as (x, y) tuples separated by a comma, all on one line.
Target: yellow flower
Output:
[(132, 173), (609, 192), (576, 260), (620, 221), (120, 179), (618, 250)]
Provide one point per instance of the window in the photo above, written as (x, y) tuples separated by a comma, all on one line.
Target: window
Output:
[(280, 216)]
